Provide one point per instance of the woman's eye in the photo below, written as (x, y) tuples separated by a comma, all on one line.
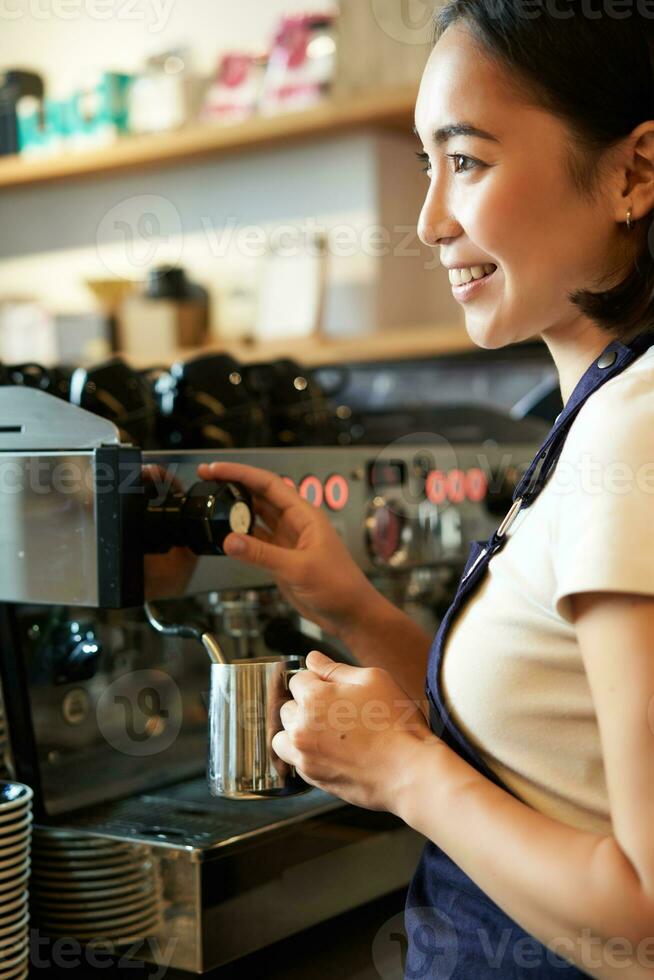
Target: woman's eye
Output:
[(462, 163), (460, 156), (424, 157)]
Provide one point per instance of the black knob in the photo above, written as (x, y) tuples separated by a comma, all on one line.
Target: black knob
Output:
[(75, 653), (200, 519)]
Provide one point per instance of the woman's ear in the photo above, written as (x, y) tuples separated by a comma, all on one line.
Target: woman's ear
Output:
[(636, 184)]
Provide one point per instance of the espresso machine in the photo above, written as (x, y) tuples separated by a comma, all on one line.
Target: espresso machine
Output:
[(106, 717)]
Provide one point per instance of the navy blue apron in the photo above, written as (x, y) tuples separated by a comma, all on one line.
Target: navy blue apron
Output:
[(454, 930)]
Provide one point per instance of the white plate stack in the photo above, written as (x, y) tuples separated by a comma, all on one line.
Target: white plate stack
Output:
[(94, 889), (15, 835)]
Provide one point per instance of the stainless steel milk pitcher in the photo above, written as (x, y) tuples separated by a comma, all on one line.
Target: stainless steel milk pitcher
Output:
[(244, 705)]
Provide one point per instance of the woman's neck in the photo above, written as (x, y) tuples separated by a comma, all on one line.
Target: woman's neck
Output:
[(573, 350)]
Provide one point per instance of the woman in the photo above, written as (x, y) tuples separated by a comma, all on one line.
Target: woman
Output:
[(534, 780)]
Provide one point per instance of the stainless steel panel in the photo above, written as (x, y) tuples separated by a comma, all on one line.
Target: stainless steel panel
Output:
[(48, 536)]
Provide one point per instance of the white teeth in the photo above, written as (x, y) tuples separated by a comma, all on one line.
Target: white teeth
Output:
[(459, 277)]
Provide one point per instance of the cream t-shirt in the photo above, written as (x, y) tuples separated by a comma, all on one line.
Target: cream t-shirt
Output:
[(512, 675)]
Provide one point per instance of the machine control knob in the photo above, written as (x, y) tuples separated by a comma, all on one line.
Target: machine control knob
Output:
[(75, 653), (200, 519), (387, 529)]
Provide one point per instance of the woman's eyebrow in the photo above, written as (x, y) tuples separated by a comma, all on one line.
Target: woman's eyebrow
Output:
[(446, 133)]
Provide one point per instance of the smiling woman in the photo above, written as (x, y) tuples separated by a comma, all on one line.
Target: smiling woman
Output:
[(543, 219)]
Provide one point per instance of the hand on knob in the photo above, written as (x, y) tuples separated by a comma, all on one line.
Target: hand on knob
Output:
[(298, 545), (210, 512)]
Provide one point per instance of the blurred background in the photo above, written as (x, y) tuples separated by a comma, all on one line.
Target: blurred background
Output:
[(209, 175)]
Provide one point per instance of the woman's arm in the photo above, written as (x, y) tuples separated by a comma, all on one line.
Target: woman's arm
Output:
[(589, 897), (386, 637)]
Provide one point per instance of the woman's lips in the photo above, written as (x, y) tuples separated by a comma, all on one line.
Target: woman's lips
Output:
[(469, 289)]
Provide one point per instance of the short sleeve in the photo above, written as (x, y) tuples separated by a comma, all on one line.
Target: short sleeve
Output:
[(603, 505)]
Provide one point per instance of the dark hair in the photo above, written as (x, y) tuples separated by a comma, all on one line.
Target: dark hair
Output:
[(596, 74)]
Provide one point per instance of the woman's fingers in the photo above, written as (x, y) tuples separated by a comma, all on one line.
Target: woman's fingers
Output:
[(262, 482), (266, 488), (267, 512), (262, 535), (254, 550)]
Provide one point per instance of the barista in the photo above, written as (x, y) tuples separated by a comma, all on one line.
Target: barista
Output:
[(527, 761)]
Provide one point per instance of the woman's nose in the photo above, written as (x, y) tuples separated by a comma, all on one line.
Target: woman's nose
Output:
[(435, 223)]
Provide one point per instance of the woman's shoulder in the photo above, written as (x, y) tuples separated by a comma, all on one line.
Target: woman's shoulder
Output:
[(617, 421)]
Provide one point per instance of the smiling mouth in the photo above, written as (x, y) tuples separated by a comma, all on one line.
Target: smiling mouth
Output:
[(463, 277)]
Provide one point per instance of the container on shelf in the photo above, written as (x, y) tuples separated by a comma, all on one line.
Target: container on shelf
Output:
[(171, 313), (233, 96), (15, 85), (166, 95), (99, 110), (302, 63)]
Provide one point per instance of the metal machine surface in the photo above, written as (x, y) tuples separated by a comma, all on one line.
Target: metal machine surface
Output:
[(108, 719)]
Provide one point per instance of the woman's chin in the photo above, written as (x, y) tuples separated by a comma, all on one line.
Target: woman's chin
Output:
[(486, 336)]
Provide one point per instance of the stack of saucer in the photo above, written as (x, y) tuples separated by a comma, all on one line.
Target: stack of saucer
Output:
[(15, 833), (94, 888)]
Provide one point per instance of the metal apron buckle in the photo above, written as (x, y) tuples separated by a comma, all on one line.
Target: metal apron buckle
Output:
[(510, 518)]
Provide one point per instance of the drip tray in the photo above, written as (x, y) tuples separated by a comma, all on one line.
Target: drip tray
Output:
[(186, 815), (237, 876)]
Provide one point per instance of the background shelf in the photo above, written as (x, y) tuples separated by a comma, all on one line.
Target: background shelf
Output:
[(389, 109)]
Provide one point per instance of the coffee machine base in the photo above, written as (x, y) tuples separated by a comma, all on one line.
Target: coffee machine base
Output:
[(234, 876)]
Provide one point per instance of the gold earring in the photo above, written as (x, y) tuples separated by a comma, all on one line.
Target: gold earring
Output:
[(630, 221)]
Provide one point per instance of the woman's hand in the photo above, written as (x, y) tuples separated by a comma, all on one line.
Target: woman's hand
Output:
[(351, 731), (297, 544)]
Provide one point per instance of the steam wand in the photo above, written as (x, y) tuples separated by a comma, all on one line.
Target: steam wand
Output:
[(208, 641)]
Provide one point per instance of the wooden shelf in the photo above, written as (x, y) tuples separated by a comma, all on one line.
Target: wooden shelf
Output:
[(415, 342), (391, 109)]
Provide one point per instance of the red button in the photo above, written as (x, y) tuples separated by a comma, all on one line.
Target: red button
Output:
[(311, 490), (337, 492), (456, 486), (436, 487), (476, 485)]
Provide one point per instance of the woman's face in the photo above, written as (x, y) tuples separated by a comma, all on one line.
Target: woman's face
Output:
[(506, 201)]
